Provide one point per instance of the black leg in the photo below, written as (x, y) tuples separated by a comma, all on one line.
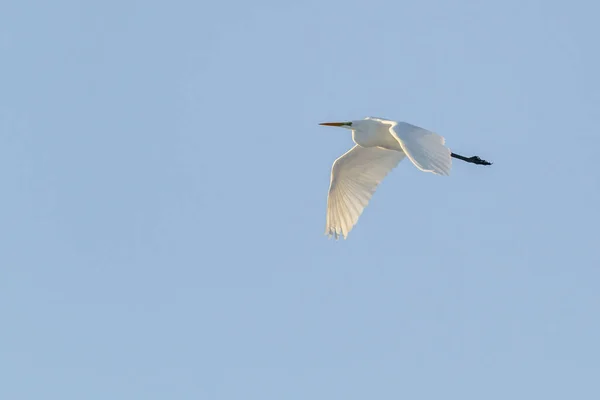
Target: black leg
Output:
[(473, 160)]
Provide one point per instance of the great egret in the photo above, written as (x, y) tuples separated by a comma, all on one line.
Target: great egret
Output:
[(380, 145)]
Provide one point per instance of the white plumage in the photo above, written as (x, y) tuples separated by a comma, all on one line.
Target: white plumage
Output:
[(380, 145)]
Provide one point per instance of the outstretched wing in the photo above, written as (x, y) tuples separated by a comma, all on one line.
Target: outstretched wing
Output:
[(354, 178), (424, 148)]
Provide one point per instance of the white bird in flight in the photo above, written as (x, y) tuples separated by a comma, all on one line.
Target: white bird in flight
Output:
[(380, 145)]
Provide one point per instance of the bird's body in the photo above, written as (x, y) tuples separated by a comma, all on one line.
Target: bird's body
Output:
[(380, 145), (373, 133)]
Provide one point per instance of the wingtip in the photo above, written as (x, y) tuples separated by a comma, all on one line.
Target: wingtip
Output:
[(333, 234)]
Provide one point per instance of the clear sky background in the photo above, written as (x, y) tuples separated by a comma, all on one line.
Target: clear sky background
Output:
[(164, 185)]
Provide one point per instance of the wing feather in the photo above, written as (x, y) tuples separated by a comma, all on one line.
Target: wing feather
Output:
[(424, 148), (354, 178)]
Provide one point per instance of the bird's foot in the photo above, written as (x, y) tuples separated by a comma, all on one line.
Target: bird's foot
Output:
[(478, 161)]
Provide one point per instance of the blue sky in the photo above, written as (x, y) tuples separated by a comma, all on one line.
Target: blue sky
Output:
[(164, 185)]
